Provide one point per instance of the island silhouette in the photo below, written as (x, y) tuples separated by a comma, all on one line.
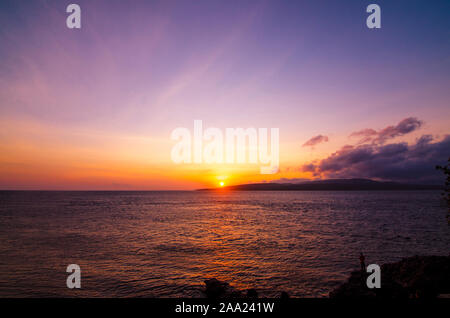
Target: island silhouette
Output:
[(329, 185)]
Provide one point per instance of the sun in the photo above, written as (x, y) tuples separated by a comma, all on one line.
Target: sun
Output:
[(222, 183)]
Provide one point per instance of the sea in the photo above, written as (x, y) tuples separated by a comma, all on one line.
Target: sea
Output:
[(167, 243)]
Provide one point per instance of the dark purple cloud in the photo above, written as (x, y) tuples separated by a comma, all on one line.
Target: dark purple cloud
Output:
[(315, 140), (396, 162), (404, 127)]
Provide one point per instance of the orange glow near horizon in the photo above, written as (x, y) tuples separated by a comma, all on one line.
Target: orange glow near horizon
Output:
[(39, 157)]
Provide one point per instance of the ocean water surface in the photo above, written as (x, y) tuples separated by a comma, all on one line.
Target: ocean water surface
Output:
[(165, 244)]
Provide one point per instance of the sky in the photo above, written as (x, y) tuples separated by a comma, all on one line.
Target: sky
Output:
[(94, 108)]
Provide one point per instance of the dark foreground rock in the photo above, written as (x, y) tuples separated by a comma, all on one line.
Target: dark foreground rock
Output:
[(413, 277), (218, 289), (215, 288)]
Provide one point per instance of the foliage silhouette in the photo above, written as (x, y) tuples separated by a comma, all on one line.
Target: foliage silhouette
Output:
[(446, 193)]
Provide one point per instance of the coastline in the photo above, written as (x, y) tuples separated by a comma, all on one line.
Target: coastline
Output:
[(411, 277)]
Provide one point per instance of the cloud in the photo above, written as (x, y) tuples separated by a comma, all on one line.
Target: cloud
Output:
[(394, 162), (404, 127), (315, 140)]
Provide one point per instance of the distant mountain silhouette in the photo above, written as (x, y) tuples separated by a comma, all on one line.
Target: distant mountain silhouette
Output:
[(330, 185)]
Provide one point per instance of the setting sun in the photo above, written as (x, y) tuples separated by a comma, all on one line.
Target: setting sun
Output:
[(222, 183)]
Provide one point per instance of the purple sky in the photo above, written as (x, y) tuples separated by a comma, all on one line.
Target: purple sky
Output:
[(138, 69)]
